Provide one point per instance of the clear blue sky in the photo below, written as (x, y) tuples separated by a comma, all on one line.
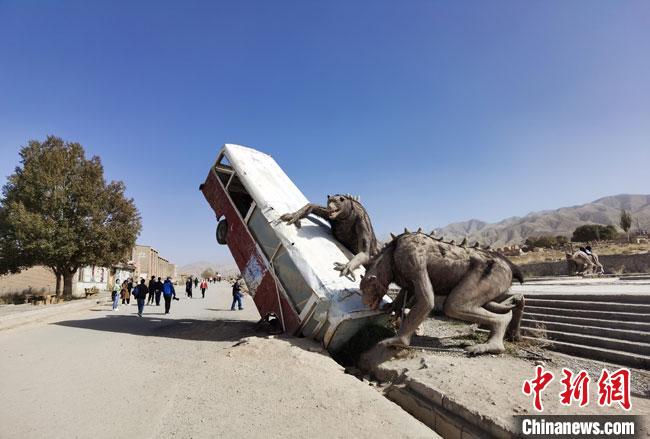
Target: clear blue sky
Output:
[(432, 111)]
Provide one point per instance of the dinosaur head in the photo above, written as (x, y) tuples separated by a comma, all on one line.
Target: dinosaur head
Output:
[(373, 290), (339, 206)]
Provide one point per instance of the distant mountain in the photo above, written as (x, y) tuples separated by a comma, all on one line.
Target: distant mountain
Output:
[(196, 268), (563, 221)]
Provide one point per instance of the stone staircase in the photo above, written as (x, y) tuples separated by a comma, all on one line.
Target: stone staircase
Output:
[(607, 327)]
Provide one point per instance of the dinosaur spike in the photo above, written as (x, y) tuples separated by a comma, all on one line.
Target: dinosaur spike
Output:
[(392, 236), (452, 242), (487, 247), (419, 229), (464, 242), (440, 239), (406, 230), (432, 234), (476, 244)]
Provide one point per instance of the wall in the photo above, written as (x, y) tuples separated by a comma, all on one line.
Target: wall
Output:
[(148, 262), (37, 279), (91, 277), (611, 263)]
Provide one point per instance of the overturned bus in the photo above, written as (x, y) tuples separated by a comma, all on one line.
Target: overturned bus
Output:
[(288, 270)]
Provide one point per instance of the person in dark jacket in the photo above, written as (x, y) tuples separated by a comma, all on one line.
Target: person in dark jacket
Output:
[(159, 287), (188, 287), (236, 296), (152, 289), (141, 294), (196, 282), (168, 293)]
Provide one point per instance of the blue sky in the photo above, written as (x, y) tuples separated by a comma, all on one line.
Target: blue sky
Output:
[(432, 111)]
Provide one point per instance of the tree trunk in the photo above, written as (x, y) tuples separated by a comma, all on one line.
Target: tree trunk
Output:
[(68, 277), (59, 278)]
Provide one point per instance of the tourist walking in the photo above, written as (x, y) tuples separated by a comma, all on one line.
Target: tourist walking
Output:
[(196, 282), (125, 293), (140, 293), (159, 287), (152, 288), (168, 293), (236, 296), (188, 288), (116, 294), (204, 286)]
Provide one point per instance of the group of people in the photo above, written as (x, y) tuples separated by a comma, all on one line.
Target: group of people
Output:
[(156, 289), (141, 291), (188, 286)]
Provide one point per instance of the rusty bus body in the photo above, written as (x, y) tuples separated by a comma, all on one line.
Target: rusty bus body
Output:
[(288, 270)]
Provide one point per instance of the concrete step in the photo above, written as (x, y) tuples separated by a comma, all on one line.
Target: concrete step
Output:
[(612, 298), (591, 340), (609, 355), (614, 333), (589, 305), (600, 323), (605, 315)]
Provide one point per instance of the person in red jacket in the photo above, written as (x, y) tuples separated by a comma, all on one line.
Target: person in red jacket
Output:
[(204, 286)]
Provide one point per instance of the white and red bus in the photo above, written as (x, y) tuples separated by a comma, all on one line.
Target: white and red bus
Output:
[(288, 270)]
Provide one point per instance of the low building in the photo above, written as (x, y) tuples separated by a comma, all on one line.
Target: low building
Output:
[(40, 280), (148, 262)]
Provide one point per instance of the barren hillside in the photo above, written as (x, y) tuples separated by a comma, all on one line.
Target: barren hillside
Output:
[(562, 221)]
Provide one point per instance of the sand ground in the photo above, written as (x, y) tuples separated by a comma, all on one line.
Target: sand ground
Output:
[(202, 371)]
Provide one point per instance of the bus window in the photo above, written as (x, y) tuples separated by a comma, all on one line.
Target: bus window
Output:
[(223, 169), (263, 233), (291, 279), (239, 196)]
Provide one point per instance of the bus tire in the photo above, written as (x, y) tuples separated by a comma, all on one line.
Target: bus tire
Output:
[(222, 232)]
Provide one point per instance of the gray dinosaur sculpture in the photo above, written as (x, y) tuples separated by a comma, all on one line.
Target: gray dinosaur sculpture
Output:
[(474, 282), (350, 224)]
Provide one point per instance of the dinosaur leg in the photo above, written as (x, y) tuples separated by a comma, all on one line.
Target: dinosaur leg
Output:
[(423, 292), (513, 332), (514, 303), (465, 302)]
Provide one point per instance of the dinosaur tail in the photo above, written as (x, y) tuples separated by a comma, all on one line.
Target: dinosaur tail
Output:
[(516, 271)]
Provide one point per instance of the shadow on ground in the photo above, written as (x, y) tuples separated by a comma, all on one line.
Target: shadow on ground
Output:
[(186, 329)]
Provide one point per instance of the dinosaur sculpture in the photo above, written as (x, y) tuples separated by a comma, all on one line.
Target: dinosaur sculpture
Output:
[(474, 282), (585, 263), (350, 224)]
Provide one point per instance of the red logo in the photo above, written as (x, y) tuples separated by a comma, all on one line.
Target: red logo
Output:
[(575, 388), (614, 387), (537, 385)]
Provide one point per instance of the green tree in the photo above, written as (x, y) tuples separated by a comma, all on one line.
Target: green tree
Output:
[(594, 232), (57, 210), (626, 223), (207, 273)]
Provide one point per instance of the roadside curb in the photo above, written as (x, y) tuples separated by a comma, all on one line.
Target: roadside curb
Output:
[(48, 311)]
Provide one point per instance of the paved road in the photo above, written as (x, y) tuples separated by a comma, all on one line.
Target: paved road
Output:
[(100, 373)]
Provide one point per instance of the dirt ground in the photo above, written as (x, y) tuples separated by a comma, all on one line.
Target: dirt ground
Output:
[(202, 371)]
